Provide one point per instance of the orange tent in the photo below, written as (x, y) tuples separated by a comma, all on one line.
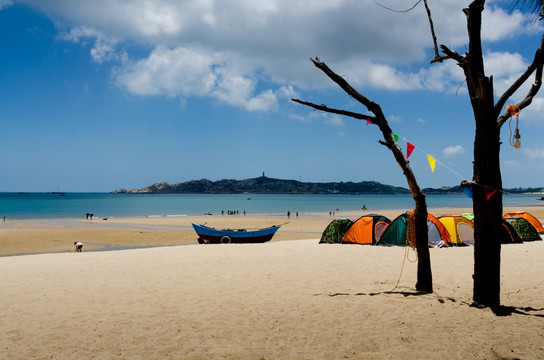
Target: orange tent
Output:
[(530, 218), (366, 230), (461, 229)]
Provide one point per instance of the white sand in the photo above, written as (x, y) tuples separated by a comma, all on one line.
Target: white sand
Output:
[(279, 300)]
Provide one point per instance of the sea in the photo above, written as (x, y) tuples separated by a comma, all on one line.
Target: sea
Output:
[(108, 205)]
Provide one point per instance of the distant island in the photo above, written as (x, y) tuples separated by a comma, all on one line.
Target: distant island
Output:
[(266, 185)]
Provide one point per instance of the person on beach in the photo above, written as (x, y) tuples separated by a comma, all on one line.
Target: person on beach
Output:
[(78, 245)]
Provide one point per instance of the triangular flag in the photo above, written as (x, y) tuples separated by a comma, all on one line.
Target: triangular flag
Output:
[(468, 191), (489, 192), (368, 122), (432, 162), (409, 148), (396, 137)]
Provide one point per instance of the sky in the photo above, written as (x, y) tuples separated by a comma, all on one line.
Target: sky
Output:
[(101, 95)]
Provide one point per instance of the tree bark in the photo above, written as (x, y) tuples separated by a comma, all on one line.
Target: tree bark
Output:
[(487, 174), (487, 212)]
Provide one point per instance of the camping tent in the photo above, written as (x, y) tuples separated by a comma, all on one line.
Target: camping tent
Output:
[(366, 230), (511, 235), (335, 231), (525, 215), (525, 230), (396, 232), (460, 228)]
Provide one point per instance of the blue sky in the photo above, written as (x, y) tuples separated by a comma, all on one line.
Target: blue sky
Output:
[(99, 95)]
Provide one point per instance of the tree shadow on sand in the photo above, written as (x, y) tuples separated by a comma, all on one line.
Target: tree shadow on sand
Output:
[(510, 310), (404, 293), (498, 311)]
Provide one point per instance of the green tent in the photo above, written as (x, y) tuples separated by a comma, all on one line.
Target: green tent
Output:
[(468, 216), (335, 231), (397, 232), (525, 230), (510, 233)]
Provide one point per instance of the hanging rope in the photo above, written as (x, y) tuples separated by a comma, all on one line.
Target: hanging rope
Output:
[(514, 110), (411, 230)]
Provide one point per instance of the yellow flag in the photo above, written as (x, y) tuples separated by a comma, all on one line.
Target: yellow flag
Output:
[(432, 162)]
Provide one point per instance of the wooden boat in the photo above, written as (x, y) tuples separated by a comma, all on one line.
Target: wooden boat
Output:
[(208, 235)]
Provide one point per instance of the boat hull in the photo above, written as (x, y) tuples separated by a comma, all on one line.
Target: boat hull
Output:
[(214, 236)]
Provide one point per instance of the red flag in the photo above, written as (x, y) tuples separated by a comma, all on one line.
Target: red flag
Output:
[(489, 192), (409, 148), (368, 122)]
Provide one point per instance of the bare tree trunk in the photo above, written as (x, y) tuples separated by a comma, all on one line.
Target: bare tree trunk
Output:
[(487, 212), (424, 274), (487, 174), (487, 189)]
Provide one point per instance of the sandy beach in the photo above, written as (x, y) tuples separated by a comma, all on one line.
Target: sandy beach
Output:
[(163, 296)]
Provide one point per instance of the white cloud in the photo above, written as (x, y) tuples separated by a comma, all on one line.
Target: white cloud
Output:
[(534, 153), (336, 120), (506, 68), (5, 3), (497, 24), (178, 71), (299, 118), (395, 119), (188, 72), (263, 102), (534, 113), (236, 44), (104, 47), (511, 163), (453, 150)]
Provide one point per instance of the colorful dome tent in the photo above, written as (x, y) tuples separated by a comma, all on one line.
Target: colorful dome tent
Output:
[(335, 231), (366, 230), (396, 232), (525, 229), (460, 228), (510, 233), (529, 217)]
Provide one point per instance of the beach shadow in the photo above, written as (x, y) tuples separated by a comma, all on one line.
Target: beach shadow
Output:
[(404, 293), (510, 310)]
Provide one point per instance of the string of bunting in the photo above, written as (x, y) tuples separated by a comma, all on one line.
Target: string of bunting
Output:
[(466, 185)]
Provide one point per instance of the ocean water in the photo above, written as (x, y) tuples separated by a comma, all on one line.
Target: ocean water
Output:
[(76, 205)]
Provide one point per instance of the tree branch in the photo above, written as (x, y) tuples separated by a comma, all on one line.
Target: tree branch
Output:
[(528, 98), (536, 65), (335, 111), (369, 104), (453, 55), (437, 57), (474, 25)]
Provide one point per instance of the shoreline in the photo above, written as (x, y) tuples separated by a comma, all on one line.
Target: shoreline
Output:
[(40, 236)]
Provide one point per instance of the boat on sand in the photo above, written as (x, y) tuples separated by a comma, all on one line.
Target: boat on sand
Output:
[(209, 235)]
